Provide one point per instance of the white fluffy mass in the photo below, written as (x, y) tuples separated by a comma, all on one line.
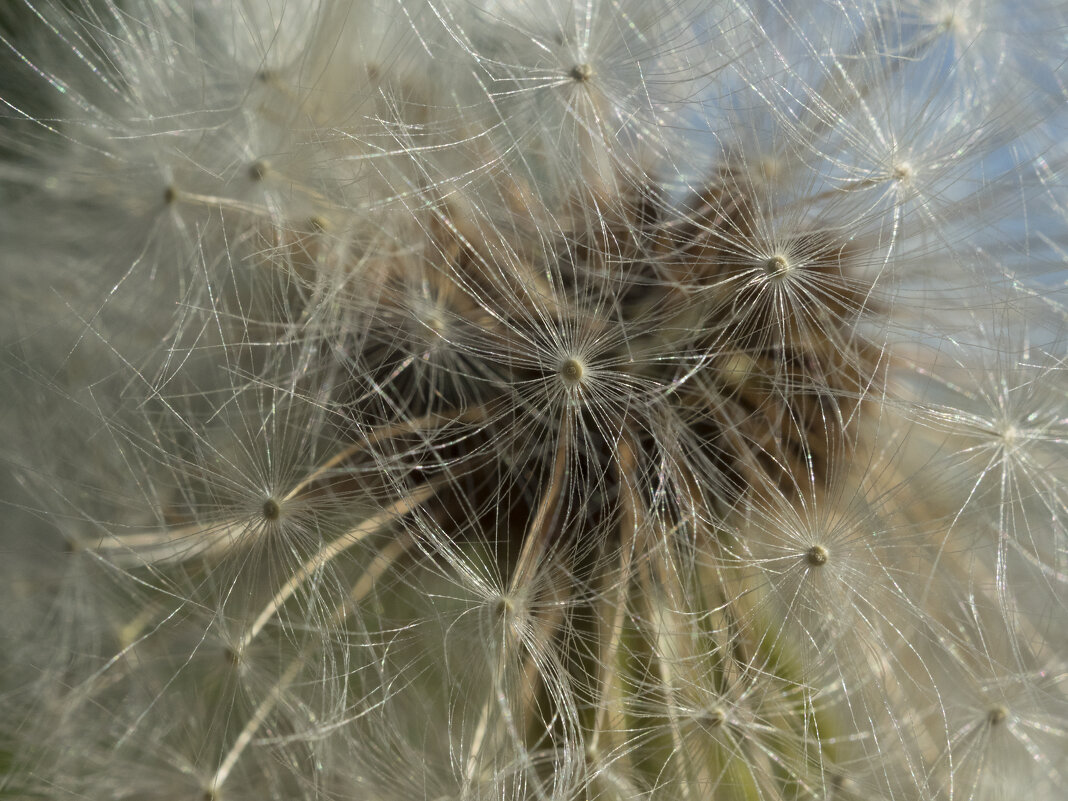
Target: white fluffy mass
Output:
[(565, 400)]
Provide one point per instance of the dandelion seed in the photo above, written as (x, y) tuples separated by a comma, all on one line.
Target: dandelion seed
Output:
[(257, 171), (997, 715), (902, 172), (572, 371), (777, 266), (714, 718), (816, 555), (607, 400), (272, 510), (581, 73)]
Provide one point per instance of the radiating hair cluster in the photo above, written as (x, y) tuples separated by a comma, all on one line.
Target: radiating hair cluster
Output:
[(534, 399)]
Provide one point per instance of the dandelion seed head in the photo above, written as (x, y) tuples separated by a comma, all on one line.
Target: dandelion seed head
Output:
[(816, 556), (903, 172), (713, 718), (581, 73), (257, 171), (572, 371), (961, 19), (1010, 434), (997, 715), (272, 510), (540, 400), (778, 266)]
